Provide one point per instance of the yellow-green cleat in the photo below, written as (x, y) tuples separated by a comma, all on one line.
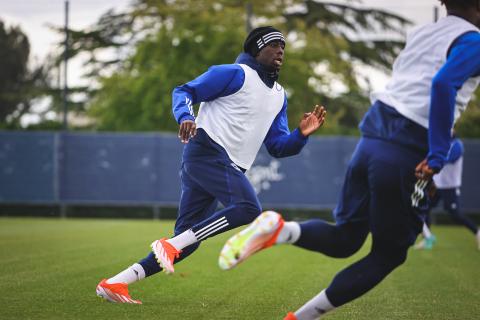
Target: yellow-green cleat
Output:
[(260, 234)]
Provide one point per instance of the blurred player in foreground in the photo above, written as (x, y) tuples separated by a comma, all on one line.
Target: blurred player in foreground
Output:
[(405, 140), (242, 107), (447, 188)]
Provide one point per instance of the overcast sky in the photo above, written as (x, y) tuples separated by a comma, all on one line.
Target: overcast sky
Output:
[(34, 16)]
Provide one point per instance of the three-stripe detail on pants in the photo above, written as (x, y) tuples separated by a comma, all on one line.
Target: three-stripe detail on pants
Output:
[(419, 192), (211, 228)]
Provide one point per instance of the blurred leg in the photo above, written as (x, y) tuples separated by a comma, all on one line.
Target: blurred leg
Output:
[(393, 222), (451, 204), (348, 235), (338, 241)]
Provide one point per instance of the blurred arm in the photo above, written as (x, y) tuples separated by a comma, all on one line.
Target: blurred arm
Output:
[(462, 64)]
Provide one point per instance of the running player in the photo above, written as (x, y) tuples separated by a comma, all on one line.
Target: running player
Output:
[(405, 140), (242, 107)]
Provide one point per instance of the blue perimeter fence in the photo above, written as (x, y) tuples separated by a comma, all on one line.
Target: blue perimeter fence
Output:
[(130, 169)]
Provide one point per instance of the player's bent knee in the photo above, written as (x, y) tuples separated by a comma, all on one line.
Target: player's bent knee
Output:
[(349, 239), (253, 209), (348, 249), (249, 211)]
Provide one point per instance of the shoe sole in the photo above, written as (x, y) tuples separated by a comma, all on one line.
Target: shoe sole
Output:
[(250, 240), (160, 256)]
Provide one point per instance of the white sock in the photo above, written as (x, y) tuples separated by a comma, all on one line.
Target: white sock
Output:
[(183, 240), (426, 231), (290, 233), (315, 308), (132, 274)]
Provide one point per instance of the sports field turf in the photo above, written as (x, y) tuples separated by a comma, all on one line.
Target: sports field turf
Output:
[(50, 267)]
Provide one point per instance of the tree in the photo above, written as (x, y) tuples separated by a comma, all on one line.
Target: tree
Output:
[(167, 43), (19, 86), (469, 124)]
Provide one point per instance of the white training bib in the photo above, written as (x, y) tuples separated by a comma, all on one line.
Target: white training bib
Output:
[(425, 53), (240, 122)]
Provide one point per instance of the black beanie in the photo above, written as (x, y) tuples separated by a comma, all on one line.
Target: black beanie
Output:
[(260, 37)]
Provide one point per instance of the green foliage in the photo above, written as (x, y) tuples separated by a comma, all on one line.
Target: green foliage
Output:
[(14, 51), (19, 85), (167, 43), (138, 96), (469, 124), (156, 45)]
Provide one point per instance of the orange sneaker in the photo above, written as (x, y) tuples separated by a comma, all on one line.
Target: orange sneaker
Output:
[(165, 254), (290, 316), (260, 234), (115, 292)]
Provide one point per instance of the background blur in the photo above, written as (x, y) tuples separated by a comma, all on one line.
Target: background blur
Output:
[(85, 109)]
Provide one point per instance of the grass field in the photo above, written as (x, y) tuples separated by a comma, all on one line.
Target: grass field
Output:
[(50, 267)]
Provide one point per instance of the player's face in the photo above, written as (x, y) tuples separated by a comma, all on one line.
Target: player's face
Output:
[(272, 55)]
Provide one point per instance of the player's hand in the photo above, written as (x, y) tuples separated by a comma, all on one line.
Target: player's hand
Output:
[(187, 130), (311, 121), (423, 171)]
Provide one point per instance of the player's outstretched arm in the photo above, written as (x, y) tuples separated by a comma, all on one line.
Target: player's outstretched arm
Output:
[(280, 142), (312, 121)]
